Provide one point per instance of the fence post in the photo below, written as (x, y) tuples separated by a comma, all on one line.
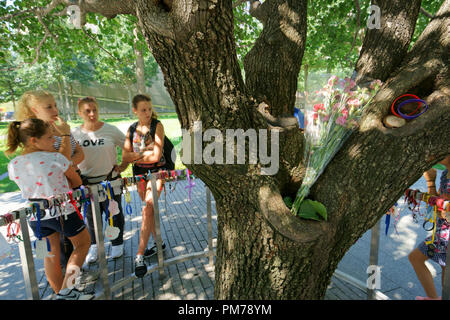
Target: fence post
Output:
[(373, 260), (98, 227), (208, 211), (158, 239), (26, 258)]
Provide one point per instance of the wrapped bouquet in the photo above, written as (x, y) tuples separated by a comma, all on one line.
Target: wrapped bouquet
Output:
[(331, 114)]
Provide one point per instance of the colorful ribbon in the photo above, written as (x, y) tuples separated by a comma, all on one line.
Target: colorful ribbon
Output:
[(85, 201), (74, 204), (127, 197), (190, 183), (107, 186)]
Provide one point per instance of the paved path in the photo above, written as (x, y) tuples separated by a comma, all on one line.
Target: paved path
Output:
[(184, 229)]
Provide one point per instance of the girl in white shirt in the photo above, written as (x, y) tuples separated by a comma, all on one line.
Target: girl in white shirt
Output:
[(42, 173), (99, 141)]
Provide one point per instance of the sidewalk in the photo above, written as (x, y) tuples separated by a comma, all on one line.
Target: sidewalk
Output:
[(398, 279), (184, 229)]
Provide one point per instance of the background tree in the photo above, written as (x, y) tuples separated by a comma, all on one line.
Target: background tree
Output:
[(263, 251), (104, 50)]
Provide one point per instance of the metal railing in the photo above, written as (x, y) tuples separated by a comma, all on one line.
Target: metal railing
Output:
[(374, 294), (97, 194)]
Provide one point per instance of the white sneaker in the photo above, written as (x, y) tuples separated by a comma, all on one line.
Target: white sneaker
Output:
[(92, 255), (73, 294), (117, 251)]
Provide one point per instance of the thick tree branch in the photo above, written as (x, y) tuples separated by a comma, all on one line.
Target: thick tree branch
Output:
[(426, 59), (108, 9), (155, 19), (259, 10), (273, 64), (384, 48)]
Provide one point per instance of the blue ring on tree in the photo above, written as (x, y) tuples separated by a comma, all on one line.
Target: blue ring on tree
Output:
[(410, 101)]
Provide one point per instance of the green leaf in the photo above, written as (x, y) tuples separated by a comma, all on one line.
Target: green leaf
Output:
[(288, 202), (313, 210), (320, 209), (307, 211)]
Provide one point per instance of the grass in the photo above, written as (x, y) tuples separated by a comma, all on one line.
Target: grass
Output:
[(171, 127)]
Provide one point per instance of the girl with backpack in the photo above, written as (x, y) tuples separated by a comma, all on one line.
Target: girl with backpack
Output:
[(144, 147)]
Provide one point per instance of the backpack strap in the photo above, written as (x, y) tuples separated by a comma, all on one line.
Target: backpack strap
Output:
[(153, 126), (132, 130)]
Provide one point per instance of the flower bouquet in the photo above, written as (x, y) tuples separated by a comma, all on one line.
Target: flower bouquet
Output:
[(331, 115)]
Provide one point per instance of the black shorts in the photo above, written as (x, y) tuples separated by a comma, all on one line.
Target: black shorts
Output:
[(70, 227), (137, 170)]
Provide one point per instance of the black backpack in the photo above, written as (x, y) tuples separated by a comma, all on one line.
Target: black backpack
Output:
[(168, 145)]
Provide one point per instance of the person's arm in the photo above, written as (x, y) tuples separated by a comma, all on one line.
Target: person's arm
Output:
[(120, 140), (430, 176), (122, 167), (128, 155), (78, 155), (64, 131), (153, 156), (73, 177)]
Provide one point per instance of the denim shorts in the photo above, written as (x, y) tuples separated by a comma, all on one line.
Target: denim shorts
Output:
[(70, 227)]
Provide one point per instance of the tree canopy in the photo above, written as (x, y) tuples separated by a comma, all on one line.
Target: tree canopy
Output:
[(107, 45)]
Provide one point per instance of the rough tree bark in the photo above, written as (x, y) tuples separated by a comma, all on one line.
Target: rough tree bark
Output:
[(276, 57), (263, 252), (383, 49)]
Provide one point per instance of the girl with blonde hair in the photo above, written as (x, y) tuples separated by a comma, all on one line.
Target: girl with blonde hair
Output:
[(40, 104)]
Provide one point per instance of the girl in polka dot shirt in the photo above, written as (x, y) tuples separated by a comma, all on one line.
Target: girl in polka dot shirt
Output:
[(42, 173)]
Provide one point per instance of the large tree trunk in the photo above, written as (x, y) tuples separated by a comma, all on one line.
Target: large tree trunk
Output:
[(263, 252)]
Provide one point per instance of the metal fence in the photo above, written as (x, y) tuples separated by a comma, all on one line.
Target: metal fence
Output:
[(97, 194)]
